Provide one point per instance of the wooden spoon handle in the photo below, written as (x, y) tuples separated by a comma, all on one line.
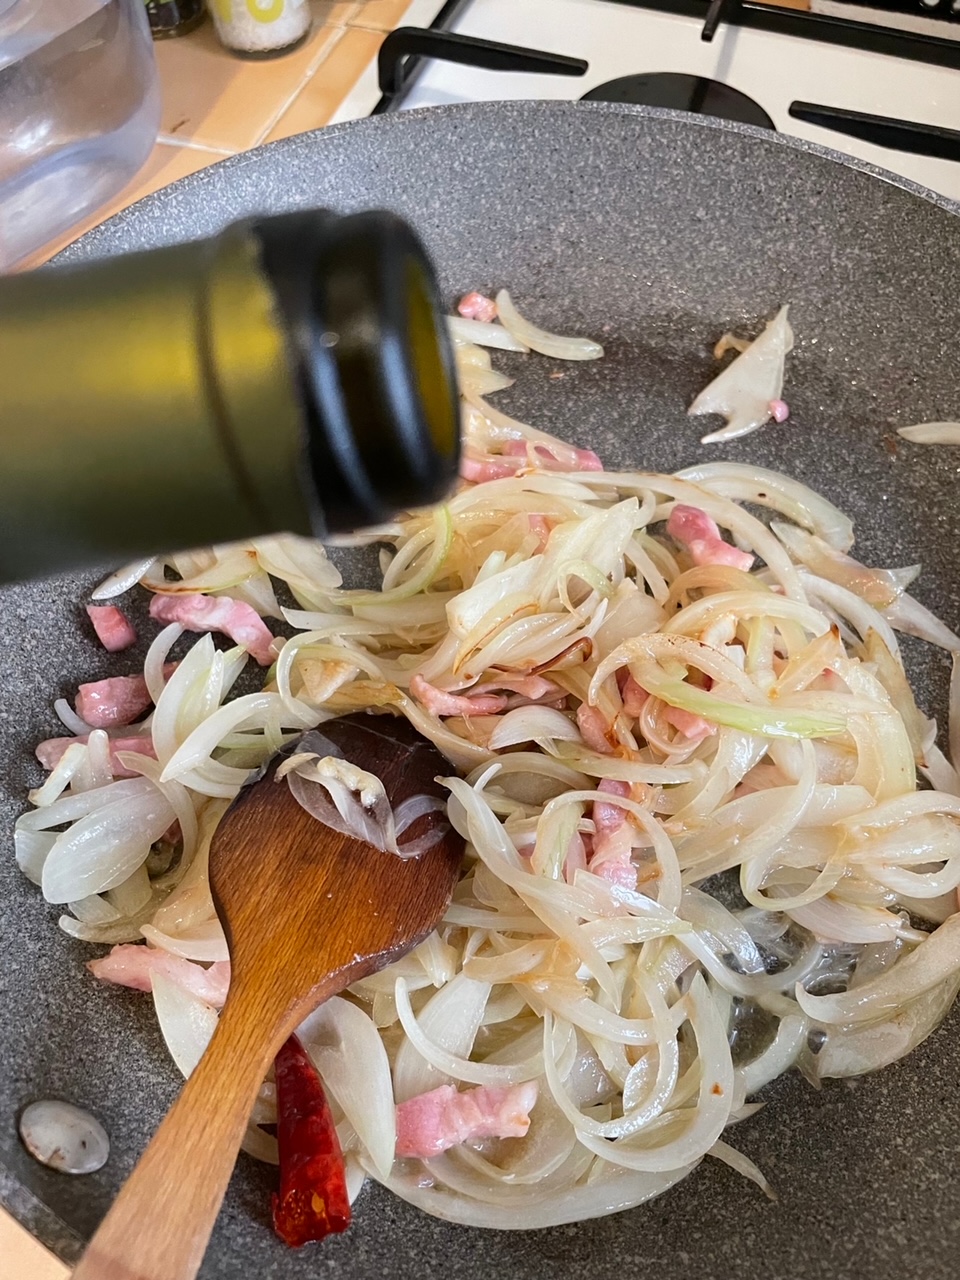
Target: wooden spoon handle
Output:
[(159, 1224)]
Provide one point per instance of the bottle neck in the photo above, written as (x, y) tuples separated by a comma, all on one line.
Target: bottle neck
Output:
[(293, 374)]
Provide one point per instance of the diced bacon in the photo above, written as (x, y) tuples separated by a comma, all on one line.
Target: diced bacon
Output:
[(477, 306), (525, 843), (618, 871), (699, 534), (113, 628), (443, 1118), (439, 703), (584, 459), (540, 527), (634, 696), (49, 753), (107, 704), (489, 467), (693, 727), (534, 688), (234, 618), (593, 729), (609, 817), (133, 964), (613, 837)]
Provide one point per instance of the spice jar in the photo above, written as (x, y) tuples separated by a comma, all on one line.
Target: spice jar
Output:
[(173, 17), (261, 28)]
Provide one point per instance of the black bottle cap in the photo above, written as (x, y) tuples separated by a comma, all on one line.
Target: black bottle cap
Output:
[(373, 359)]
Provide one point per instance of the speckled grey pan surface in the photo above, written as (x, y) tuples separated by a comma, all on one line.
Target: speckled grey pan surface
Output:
[(656, 233)]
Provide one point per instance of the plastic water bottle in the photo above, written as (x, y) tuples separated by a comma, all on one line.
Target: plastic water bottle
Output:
[(79, 113)]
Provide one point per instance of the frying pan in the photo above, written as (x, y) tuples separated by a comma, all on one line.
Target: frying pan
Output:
[(654, 232)]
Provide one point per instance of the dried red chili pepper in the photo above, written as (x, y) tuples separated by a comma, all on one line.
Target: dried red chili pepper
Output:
[(313, 1200)]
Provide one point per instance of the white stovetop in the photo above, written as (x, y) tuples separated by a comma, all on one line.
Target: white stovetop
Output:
[(774, 70)]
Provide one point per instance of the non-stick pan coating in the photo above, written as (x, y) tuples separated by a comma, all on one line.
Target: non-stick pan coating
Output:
[(654, 233)]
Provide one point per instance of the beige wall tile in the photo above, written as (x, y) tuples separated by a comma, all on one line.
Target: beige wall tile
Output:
[(330, 83), (164, 165), (22, 1257), (380, 15), (215, 98)]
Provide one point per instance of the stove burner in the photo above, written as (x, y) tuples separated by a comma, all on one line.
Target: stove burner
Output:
[(683, 93)]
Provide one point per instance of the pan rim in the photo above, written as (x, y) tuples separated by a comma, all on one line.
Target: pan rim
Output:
[(87, 244)]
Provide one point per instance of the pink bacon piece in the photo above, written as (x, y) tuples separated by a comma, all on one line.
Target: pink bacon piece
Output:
[(477, 306), (516, 455), (691, 726), (133, 964), (118, 700), (532, 688), (613, 837), (114, 630), (491, 467), (593, 729), (233, 618), (699, 533), (540, 527), (51, 752), (634, 696), (440, 703), (443, 1118)]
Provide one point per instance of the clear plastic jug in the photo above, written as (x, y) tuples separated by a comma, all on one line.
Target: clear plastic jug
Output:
[(79, 112)]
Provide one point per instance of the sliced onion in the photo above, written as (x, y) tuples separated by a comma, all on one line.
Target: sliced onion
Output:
[(484, 334), (117, 583), (348, 1052), (932, 433), (187, 1023), (743, 1165), (595, 1199), (482, 382), (454, 1065), (879, 587), (744, 391), (31, 849), (930, 965), (778, 1057), (70, 718), (854, 1050), (909, 615), (100, 850), (532, 724), (802, 505), (449, 1021), (548, 344)]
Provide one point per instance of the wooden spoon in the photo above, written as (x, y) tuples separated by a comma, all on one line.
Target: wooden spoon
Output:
[(306, 911)]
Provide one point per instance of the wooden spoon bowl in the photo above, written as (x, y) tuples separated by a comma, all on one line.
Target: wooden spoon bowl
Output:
[(306, 911)]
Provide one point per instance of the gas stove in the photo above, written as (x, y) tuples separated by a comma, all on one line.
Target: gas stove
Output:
[(877, 80)]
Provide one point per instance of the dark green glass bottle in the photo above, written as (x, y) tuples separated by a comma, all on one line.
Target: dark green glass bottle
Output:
[(291, 374)]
